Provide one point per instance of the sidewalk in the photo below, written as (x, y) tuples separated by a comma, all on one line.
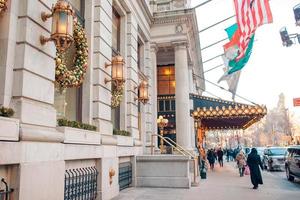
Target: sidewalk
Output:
[(221, 184)]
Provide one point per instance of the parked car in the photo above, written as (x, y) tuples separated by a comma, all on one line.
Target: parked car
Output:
[(274, 158), (292, 163)]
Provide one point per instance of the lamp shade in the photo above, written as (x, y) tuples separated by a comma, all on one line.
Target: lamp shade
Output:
[(117, 68), (144, 92), (62, 25)]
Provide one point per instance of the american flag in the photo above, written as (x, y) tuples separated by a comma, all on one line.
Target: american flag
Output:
[(250, 15)]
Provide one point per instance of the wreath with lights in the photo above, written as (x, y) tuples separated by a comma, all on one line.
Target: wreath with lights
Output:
[(3, 5), (69, 78), (116, 96)]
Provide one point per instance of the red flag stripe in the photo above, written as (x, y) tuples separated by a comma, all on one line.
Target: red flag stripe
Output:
[(249, 18)]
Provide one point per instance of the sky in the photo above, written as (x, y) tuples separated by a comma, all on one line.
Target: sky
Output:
[(272, 68)]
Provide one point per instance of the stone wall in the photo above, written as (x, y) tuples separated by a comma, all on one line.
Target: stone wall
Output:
[(37, 153)]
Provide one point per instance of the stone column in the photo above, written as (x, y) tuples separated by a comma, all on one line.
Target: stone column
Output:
[(183, 131), (153, 57)]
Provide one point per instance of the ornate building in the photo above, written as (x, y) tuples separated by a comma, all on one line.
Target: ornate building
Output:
[(71, 137)]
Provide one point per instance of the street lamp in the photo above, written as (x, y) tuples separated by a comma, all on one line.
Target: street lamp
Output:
[(162, 123)]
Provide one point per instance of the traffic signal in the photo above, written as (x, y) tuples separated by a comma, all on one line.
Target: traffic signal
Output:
[(285, 38), (297, 14)]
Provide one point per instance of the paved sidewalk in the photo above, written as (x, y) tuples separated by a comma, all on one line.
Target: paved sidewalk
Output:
[(221, 184)]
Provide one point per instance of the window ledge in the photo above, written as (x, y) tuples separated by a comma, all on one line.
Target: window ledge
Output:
[(124, 140), (137, 142), (80, 136), (9, 129)]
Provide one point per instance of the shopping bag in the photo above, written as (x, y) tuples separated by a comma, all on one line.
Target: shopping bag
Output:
[(247, 170)]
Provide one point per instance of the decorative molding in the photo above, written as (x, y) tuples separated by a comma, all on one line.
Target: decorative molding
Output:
[(153, 47), (178, 28), (180, 44)]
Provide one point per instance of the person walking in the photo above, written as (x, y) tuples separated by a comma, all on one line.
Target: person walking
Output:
[(254, 163), (241, 162), (211, 158), (220, 155)]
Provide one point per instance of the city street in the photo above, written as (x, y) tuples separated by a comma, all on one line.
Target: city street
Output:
[(222, 184)]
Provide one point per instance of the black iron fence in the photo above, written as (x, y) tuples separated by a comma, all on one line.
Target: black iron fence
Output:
[(81, 183), (125, 175), (5, 194)]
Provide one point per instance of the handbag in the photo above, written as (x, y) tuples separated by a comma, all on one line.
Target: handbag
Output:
[(247, 170)]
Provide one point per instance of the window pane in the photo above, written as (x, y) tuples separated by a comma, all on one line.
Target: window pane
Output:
[(167, 105), (116, 20), (161, 106), (76, 4), (173, 105), (166, 80), (68, 103)]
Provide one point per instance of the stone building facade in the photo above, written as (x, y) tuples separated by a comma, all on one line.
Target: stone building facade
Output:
[(37, 156)]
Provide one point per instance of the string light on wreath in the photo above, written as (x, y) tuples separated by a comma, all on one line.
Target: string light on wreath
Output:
[(3, 5), (69, 78)]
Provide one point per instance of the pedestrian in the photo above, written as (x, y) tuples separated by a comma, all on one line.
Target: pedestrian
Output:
[(220, 155), (227, 155), (231, 154), (254, 163), (211, 158), (241, 162)]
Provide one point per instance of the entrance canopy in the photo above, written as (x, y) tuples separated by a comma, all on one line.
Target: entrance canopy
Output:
[(216, 114)]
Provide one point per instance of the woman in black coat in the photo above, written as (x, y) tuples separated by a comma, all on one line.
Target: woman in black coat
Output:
[(211, 158), (254, 162)]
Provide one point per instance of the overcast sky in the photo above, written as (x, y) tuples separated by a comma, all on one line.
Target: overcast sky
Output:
[(272, 68)]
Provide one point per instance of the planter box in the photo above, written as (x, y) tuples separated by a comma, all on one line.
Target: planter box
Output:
[(80, 136), (9, 129), (124, 140)]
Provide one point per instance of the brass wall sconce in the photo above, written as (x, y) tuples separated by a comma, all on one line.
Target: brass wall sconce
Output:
[(117, 70), (3, 5), (117, 79), (143, 92), (62, 25), (112, 173)]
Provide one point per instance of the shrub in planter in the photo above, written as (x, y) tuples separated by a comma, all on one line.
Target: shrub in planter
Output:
[(75, 124), (121, 132), (6, 112)]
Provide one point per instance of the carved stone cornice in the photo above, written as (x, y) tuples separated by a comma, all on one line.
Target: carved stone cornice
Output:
[(171, 17)]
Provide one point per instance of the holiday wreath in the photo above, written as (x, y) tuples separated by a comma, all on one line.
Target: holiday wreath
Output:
[(3, 5), (69, 78)]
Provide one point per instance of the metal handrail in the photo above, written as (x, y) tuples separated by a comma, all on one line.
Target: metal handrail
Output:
[(183, 151), (164, 139), (177, 145)]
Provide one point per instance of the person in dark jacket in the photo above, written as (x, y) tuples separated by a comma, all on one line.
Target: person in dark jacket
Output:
[(254, 162), (220, 154), (211, 158)]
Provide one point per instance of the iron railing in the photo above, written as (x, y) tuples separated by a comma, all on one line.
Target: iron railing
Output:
[(5, 194), (125, 175), (81, 183)]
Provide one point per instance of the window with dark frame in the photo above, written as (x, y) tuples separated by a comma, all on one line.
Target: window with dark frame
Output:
[(166, 80), (68, 103), (116, 45)]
